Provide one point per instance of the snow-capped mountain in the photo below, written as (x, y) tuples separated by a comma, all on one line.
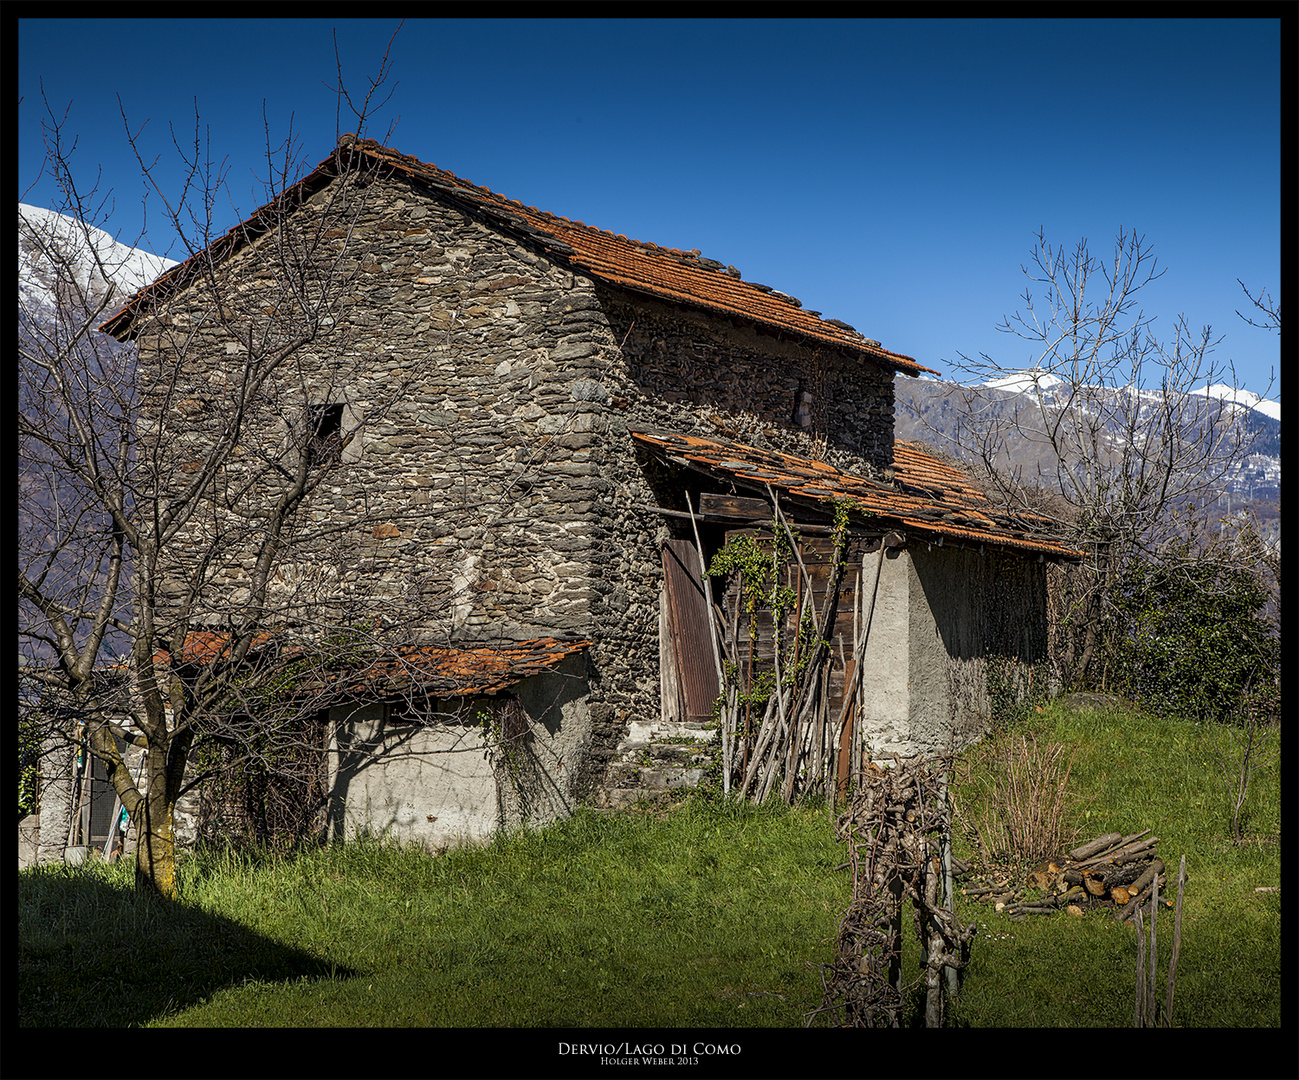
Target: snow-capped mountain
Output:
[(1243, 398), (56, 253), (928, 410), (1052, 388)]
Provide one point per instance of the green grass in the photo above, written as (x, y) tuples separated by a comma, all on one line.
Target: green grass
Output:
[(705, 916), (1133, 773)]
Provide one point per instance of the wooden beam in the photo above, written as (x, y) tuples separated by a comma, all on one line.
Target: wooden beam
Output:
[(734, 506)]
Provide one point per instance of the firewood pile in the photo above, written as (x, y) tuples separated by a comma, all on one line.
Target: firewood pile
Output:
[(1113, 871)]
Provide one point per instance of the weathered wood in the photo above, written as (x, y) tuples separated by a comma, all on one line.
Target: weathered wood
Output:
[(691, 628), (1138, 849), (717, 650), (1094, 847), (1133, 906), (734, 506), (1121, 850), (1111, 877), (1139, 1008), (1177, 944), (1154, 950), (1155, 868)]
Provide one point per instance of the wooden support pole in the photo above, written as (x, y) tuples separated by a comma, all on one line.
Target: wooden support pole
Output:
[(1177, 944), (717, 654)]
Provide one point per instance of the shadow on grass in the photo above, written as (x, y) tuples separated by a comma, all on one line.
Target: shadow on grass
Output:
[(96, 954)]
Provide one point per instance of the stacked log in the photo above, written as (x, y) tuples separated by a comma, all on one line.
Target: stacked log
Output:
[(1112, 870)]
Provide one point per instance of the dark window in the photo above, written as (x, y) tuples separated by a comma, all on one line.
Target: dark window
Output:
[(325, 444)]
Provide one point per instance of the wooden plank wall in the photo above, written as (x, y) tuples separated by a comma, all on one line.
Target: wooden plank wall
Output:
[(816, 552)]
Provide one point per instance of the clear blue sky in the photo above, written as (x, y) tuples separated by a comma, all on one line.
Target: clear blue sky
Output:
[(888, 173)]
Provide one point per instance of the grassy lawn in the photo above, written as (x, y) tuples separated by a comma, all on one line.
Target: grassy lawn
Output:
[(1130, 774), (702, 916)]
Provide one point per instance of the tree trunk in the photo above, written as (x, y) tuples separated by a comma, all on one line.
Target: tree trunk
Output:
[(155, 860)]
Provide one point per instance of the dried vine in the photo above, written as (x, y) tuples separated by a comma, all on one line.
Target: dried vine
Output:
[(793, 749), (895, 828)]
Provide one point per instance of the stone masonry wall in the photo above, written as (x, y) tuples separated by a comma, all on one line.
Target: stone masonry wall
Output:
[(489, 486), (700, 374)]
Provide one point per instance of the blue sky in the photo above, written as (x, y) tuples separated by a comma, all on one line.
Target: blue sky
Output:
[(890, 173)]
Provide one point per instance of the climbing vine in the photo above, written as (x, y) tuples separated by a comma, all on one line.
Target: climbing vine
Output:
[(789, 699), (507, 732)]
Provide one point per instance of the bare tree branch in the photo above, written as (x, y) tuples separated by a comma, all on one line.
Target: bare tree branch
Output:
[(1112, 440)]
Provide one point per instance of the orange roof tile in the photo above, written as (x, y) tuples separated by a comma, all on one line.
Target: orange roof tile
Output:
[(667, 273), (463, 672), (435, 671), (204, 646), (926, 497)]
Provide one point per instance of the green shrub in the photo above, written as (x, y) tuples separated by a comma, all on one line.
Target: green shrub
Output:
[(1194, 639)]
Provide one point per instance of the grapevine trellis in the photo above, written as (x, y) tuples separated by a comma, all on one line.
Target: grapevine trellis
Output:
[(898, 830)]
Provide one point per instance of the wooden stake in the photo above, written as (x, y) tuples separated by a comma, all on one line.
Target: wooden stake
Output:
[(949, 890), (1139, 1013), (1150, 989), (712, 637), (1177, 944)]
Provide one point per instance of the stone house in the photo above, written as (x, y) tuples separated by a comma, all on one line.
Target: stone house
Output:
[(581, 416)]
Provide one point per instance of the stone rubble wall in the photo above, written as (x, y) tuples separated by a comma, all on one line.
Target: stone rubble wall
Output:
[(489, 489)]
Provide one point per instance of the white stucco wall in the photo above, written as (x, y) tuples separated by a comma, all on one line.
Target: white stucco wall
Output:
[(885, 671), (938, 612), (441, 785)]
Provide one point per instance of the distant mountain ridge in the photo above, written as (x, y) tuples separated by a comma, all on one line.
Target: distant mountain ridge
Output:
[(66, 275), (927, 410), (54, 250)]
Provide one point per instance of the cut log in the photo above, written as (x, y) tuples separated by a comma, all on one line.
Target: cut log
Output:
[(1127, 852), (1076, 893), (1093, 883), (1133, 906), (1122, 874), (1041, 880), (1121, 851), (1147, 876), (1095, 847)]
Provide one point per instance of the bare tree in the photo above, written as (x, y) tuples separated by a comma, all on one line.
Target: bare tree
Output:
[(1267, 309), (160, 527), (1113, 434)]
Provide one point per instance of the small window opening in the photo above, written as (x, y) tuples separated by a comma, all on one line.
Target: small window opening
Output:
[(325, 445), (803, 408)]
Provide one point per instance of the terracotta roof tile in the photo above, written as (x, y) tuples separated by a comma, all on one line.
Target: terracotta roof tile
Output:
[(462, 672), (666, 273), (204, 646), (437, 672), (927, 497)]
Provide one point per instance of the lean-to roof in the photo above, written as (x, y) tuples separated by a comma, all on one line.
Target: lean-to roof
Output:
[(927, 497)]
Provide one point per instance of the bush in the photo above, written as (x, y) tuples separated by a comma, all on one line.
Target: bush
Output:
[(1020, 809), (1195, 639)]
